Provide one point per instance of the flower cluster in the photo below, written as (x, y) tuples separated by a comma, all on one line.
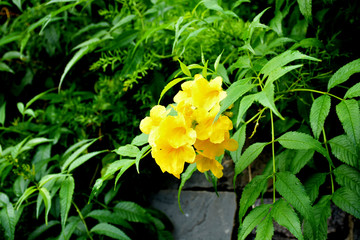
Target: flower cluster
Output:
[(190, 135)]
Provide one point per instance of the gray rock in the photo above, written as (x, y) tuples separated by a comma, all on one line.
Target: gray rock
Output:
[(206, 216)]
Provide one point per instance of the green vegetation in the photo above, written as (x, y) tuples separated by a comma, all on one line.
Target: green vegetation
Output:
[(78, 76)]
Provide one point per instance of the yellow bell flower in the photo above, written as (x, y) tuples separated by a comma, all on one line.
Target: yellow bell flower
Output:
[(175, 131), (204, 164), (157, 114), (207, 94), (171, 159), (212, 150)]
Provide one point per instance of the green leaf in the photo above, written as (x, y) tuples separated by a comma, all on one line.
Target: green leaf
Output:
[(239, 136), (284, 215), (348, 177), (34, 142), (66, 233), (5, 68), (212, 4), (170, 85), (131, 212), (25, 196), (21, 107), (186, 175), (123, 21), (78, 55), (298, 140), (41, 229), (305, 7), (2, 114), (31, 101), (348, 200), (109, 231), (250, 193), (140, 140), (66, 193), (252, 219), (184, 69), (313, 184), (250, 154), (79, 161), (221, 71), (11, 37), (299, 160), (279, 72), (217, 61), (319, 111), (73, 147), (322, 211), (283, 59), (233, 93), (18, 3), (245, 104), (8, 221), (344, 73), (266, 98), (47, 201), (344, 149), (294, 192), (125, 166), (265, 230), (116, 166), (75, 154), (108, 217), (50, 177), (128, 150), (354, 91), (349, 115), (98, 184), (140, 155)]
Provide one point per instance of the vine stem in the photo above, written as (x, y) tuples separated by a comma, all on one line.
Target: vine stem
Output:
[(273, 152), (330, 168), (82, 219), (315, 91)]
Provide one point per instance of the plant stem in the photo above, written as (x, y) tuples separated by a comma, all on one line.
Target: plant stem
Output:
[(316, 91), (82, 219), (330, 169), (273, 152)]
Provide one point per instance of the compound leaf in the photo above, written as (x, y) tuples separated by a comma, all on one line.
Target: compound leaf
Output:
[(347, 200), (344, 149), (349, 115), (250, 193), (348, 177), (286, 217), (252, 219), (319, 111), (66, 193), (109, 231), (344, 73), (290, 187)]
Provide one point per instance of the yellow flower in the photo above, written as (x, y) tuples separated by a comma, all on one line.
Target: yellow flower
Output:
[(205, 120), (185, 94), (172, 144), (201, 93), (204, 164), (187, 110), (207, 94), (220, 128), (171, 159), (212, 150), (157, 114), (175, 131)]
